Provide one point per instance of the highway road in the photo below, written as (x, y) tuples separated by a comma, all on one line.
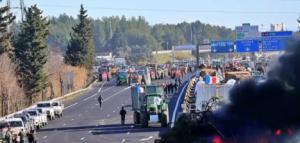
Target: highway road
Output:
[(84, 122)]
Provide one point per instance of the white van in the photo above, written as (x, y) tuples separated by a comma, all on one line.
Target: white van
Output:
[(37, 119), (47, 105), (58, 108), (16, 126)]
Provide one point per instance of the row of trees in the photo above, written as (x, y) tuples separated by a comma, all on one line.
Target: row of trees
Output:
[(28, 50), (123, 35)]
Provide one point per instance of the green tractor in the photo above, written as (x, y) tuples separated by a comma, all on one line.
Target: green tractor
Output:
[(122, 78), (149, 105)]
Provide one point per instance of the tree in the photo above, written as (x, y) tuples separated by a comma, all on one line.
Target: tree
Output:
[(31, 52), (6, 18), (80, 50)]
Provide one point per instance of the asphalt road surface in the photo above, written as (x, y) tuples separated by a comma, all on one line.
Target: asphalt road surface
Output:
[(84, 122)]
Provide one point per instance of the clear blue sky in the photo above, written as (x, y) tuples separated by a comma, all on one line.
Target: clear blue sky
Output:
[(227, 13)]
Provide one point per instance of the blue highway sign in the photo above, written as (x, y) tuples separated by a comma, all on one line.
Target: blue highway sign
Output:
[(222, 46), (247, 46), (274, 43)]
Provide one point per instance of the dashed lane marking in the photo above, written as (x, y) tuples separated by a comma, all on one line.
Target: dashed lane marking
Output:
[(71, 105), (146, 139)]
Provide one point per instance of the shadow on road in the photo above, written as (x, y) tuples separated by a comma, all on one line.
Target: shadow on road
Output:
[(106, 129)]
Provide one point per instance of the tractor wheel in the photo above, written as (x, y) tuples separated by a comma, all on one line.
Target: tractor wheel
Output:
[(144, 120), (136, 117)]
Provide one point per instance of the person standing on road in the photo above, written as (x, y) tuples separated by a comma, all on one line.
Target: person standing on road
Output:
[(123, 114), (31, 136), (8, 135), (100, 100), (22, 136)]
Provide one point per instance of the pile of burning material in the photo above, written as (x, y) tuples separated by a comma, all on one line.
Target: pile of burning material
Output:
[(268, 111)]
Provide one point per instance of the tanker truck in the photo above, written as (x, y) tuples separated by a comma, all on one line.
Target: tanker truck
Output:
[(149, 105)]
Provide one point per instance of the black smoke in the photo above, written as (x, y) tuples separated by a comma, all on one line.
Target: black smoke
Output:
[(273, 104)]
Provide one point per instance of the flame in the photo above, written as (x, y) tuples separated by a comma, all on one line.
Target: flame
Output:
[(217, 139), (278, 132)]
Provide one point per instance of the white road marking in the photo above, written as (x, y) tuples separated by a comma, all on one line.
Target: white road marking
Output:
[(177, 105), (64, 124), (71, 105), (82, 138), (101, 87), (114, 111), (44, 137), (72, 119), (123, 140), (146, 139)]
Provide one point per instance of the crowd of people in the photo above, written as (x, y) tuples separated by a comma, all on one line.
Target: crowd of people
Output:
[(10, 138)]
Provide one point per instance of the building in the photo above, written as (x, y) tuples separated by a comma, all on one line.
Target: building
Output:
[(277, 27), (246, 31)]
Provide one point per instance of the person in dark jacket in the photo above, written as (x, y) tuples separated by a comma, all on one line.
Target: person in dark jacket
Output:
[(123, 114), (31, 136), (100, 100)]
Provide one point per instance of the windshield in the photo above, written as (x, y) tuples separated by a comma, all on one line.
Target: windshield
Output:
[(40, 110), (55, 104), (32, 113), (15, 124), (122, 73), (4, 125), (44, 105), (153, 100)]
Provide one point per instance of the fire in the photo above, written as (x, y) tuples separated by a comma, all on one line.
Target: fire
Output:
[(217, 139), (278, 132)]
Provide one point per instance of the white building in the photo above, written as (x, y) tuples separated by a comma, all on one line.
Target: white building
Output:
[(277, 27), (246, 31)]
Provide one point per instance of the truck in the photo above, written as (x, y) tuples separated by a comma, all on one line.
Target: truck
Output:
[(149, 105), (104, 73), (122, 78)]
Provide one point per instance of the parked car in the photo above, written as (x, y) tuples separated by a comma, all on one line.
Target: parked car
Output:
[(16, 125), (43, 114), (47, 105), (58, 108), (37, 120), (28, 123)]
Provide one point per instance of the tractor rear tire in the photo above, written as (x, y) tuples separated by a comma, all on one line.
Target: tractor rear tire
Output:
[(144, 120), (136, 117)]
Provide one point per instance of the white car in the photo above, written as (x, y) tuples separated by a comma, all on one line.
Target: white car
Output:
[(58, 108), (43, 115), (16, 126), (47, 105), (37, 120)]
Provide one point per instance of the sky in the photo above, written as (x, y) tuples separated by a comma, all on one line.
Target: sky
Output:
[(229, 13)]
